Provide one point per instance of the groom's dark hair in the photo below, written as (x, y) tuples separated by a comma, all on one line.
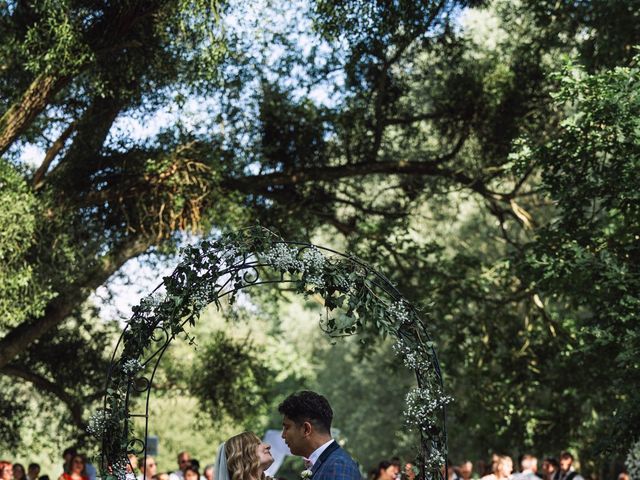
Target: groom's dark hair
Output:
[(307, 406)]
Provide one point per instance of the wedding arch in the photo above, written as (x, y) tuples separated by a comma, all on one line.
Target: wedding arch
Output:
[(356, 299)]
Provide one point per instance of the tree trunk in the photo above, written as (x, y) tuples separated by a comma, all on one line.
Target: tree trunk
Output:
[(15, 120)]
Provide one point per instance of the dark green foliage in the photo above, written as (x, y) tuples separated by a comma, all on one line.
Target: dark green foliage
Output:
[(588, 257), (231, 379), (457, 153)]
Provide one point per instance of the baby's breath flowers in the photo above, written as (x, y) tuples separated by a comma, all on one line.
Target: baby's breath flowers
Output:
[(131, 366), (97, 424), (423, 407), (633, 461), (283, 257), (399, 312), (412, 357)]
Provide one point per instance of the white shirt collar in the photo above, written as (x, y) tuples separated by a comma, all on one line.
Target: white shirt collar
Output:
[(313, 458)]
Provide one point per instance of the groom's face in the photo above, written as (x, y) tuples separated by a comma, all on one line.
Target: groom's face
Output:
[(295, 437)]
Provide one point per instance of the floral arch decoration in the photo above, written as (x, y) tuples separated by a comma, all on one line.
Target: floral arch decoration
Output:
[(356, 297)]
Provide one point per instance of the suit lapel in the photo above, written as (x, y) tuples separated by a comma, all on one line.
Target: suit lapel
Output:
[(321, 459)]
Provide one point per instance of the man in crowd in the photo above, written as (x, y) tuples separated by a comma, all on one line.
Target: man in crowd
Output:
[(528, 468), (184, 460), (567, 472), (466, 469)]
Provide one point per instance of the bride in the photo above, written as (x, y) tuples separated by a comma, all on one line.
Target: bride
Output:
[(243, 457)]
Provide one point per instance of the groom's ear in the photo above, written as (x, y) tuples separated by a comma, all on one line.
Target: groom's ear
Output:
[(307, 428)]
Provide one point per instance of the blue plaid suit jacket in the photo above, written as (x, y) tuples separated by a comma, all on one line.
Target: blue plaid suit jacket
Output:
[(335, 464)]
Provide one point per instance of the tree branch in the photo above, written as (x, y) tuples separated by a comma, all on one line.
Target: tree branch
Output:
[(20, 115), (42, 383), (265, 183), (38, 177), (61, 307)]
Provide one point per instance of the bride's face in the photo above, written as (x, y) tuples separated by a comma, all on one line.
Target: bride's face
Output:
[(264, 455)]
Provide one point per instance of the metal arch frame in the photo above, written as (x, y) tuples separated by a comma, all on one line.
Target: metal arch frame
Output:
[(248, 269)]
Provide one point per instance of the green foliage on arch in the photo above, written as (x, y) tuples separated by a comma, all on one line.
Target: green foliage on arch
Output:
[(357, 300)]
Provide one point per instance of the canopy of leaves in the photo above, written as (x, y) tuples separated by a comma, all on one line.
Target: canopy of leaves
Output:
[(447, 142)]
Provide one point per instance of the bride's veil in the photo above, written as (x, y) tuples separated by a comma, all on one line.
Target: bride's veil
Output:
[(221, 471)]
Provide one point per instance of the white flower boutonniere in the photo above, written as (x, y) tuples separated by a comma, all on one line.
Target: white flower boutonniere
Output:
[(305, 474)]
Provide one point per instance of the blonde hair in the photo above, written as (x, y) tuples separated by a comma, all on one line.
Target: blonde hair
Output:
[(242, 459)]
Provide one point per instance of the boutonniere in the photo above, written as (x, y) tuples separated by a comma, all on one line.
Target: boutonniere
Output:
[(305, 474)]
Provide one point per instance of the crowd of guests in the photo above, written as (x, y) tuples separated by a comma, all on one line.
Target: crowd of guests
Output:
[(75, 467), (188, 469), (393, 469), (500, 468)]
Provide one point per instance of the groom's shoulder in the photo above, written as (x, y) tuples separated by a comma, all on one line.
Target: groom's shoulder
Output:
[(341, 465)]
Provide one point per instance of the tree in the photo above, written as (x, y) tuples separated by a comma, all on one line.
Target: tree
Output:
[(429, 105)]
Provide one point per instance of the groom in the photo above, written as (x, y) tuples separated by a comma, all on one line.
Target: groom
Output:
[(306, 429)]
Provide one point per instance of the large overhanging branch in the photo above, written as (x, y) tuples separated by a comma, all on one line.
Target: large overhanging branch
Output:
[(263, 183), (18, 339), (44, 384)]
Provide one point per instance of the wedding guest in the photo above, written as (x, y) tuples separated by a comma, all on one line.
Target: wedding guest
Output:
[(395, 461), (33, 471), (77, 470), (502, 468), (624, 475), (451, 472), (184, 459), (18, 472), (131, 467), (385, 471), (148, 470), (191, 473), (6, 470), (528, 468), (196, 464), (567, 471), (489, 471), (550, 467), (466, 470), (208, 472), (410, 471), (67, 456)]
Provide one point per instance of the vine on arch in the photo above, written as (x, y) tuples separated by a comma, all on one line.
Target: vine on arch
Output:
[(357, 299)]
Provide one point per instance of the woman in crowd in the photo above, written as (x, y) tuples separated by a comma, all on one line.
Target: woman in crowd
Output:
[(502, 466), (19, 472), (243, 457), (6, 472), (77, 469), (386, 471)]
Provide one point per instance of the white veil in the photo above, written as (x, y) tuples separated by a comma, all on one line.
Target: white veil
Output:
[(221, 470)]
